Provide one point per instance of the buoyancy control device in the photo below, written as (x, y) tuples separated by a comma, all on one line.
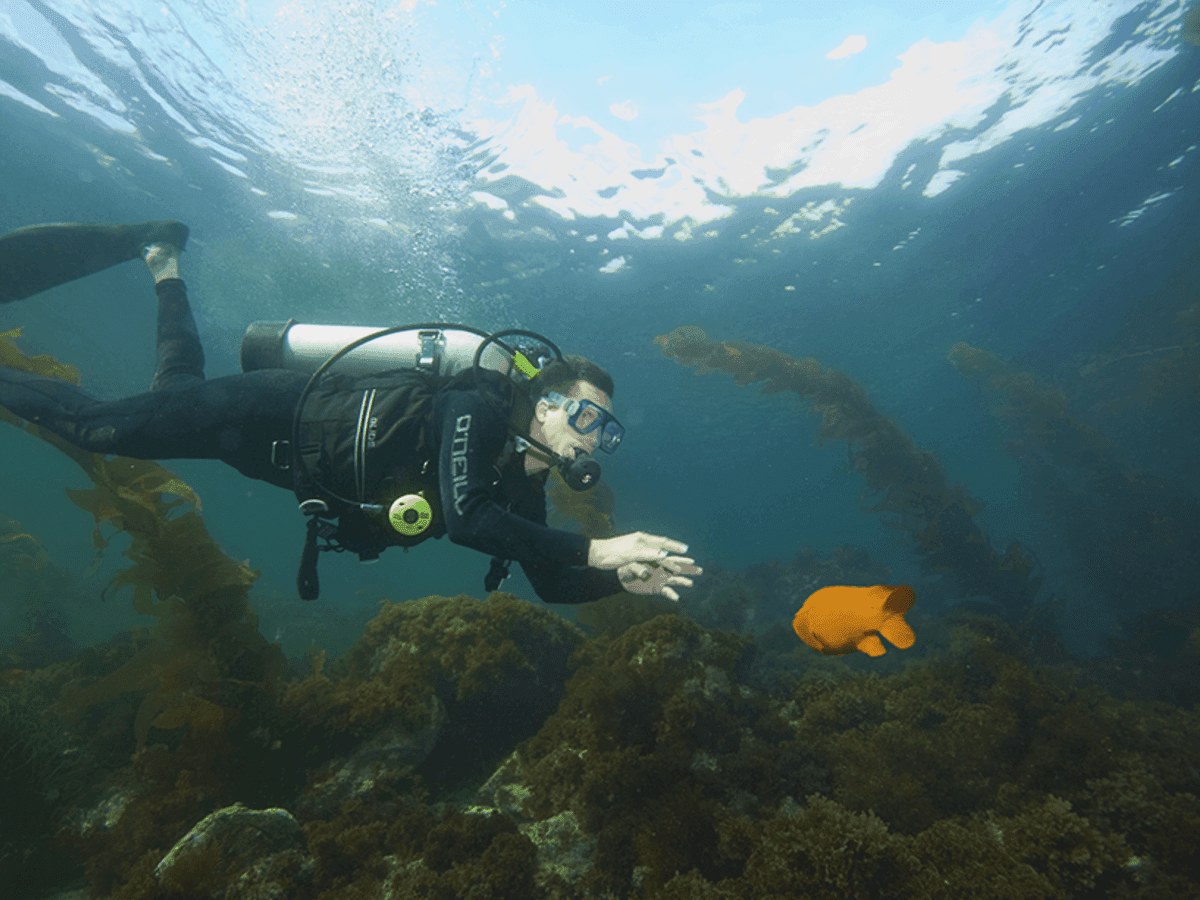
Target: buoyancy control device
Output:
[(362, 462)]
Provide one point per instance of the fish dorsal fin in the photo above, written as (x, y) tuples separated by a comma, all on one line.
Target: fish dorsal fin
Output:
[(872, 645)]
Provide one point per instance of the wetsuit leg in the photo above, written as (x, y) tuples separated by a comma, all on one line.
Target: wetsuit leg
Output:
[(180, 356), (235, 419)]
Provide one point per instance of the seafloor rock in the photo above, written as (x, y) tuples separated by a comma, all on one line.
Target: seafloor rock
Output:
[(970, 774), (562, 847), (361, 773), (104, 815), (241, 853), (663, 774), (448, 686), (640, 752)]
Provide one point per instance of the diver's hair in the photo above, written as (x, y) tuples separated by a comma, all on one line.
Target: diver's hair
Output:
[(561, 374)]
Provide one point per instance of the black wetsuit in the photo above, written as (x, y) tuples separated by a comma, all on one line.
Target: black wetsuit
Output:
[(488, 505)]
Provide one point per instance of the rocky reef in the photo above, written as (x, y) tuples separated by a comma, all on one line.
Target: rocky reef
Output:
[(489, 749)]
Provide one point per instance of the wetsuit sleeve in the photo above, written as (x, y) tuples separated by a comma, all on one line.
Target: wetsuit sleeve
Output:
[(473, 435), (565, 584)]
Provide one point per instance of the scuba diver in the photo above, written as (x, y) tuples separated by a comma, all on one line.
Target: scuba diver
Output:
[(388, 437)]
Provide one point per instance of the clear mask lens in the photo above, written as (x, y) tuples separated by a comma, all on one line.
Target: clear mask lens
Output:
[(585, 417)]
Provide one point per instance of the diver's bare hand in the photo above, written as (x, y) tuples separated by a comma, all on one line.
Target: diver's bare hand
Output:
[(612, 553), (658, 578)]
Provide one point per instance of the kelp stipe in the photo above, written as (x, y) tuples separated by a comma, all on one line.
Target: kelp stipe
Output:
[(1129, 530), (937, 515), (588, 512)]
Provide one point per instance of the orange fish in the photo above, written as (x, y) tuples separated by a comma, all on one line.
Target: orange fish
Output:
[(837, 620)]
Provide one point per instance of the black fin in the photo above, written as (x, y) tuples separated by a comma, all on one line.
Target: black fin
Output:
[(40, 257)]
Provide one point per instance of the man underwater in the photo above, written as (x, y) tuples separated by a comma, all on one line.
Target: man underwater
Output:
[(492, 455)]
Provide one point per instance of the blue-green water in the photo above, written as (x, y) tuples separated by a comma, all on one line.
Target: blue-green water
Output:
[(334, 166)]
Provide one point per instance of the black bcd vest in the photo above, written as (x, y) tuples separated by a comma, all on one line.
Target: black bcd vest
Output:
[(364, 441)]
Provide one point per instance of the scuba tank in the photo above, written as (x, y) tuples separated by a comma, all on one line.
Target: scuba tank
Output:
[(439, 349)]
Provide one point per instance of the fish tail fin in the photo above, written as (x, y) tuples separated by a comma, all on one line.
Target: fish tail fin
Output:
[(894, 628)]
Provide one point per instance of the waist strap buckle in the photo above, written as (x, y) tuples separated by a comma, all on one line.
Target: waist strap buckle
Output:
[(281, 454)]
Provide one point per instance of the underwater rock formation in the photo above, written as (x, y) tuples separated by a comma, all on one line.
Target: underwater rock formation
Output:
[(444, 686), (663, 771), (238, 852), (613, 616), (972, 774), (937, 515)]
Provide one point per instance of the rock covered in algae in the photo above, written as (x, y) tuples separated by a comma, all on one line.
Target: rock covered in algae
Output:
[(242, 853), (395, 747), (970, 775), (448, 685), (636, 753)]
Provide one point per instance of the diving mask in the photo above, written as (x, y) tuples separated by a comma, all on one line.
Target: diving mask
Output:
[(585, 417)]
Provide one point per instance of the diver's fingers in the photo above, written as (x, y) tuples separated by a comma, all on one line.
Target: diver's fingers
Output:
[(669, 594), (634, 572), (681, 565), (612, 553), (662, 545)]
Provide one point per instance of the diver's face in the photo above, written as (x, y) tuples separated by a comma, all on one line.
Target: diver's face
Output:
[(557, 433)]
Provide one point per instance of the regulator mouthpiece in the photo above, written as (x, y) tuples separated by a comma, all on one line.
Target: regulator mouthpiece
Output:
[(580, 473)]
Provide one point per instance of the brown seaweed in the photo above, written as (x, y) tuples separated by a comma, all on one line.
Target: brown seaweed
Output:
[(589, 512), (1127, 528), (938, 516), (205, 629)]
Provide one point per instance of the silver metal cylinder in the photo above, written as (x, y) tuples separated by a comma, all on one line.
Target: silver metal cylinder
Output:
[(442, 349)]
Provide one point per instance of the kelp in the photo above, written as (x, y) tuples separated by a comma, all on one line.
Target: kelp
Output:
[(206, 629), (1173, 380), (172, 552), (12, 358), (171, 668), (1128, 529), (590, 512), (938, 516)]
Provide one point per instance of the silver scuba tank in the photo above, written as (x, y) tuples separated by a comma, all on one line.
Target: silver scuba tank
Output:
[(437, 348)]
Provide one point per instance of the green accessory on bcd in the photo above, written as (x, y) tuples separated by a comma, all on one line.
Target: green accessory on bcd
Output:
[(410, 514)]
